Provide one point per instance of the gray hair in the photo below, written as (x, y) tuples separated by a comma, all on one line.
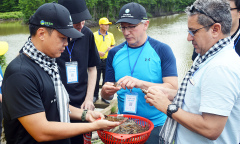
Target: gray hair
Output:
[(212, 11), (143, 21)]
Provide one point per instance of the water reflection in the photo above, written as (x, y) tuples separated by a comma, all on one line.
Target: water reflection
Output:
[(13, 27), (171, 30)]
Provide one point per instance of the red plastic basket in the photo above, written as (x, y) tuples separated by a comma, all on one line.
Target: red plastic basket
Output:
[(140, 138)]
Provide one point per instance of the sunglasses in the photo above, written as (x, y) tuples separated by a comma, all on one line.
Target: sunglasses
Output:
[(193, 9)]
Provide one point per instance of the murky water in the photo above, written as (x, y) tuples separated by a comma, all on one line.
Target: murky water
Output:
[(171, 30)]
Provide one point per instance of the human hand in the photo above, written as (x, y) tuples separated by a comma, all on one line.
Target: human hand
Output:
[(108, 89), (101, 54), (105, 124), (130, 82), (88, 104), (157, 98), (93, 115), (171, 93)]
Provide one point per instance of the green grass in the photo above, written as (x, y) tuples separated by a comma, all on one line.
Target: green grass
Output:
[(11, 15)]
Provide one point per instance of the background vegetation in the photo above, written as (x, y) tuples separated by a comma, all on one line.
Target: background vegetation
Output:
[(3, 62), (98, 8)]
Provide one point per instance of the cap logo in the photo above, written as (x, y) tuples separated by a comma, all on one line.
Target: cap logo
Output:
[(42, 22), (70, 23), (127, 11), (127, 14)]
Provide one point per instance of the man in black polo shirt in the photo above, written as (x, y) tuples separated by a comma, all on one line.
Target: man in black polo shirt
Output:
[(82, 54), (35, 103)]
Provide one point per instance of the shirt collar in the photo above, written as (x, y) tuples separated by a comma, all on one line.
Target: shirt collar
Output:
[(100, 33)]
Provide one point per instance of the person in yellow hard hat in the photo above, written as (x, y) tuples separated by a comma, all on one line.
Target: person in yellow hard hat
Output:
[(104, 41), (3, 50)]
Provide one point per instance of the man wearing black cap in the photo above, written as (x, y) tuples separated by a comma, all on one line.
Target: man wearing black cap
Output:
[(35, 102), (137, 64), (82, 54)]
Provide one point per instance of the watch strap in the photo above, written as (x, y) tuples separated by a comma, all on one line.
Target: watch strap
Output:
[(170, 112), (84, 115)]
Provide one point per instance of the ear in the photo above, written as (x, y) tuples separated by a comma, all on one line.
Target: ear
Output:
[(41, 33), (146, 24), (216, 30)]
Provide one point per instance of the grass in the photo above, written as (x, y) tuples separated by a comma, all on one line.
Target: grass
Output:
[(11, 15)]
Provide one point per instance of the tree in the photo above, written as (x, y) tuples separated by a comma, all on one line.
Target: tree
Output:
[(9, 5), (28, 7)]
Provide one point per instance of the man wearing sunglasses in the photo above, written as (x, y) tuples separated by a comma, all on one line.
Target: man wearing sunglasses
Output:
[(235, 30), (136, 64), (206, 108)]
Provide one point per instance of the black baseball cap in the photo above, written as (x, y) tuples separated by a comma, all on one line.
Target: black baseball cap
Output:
[(56, 16), (132, 13), (77, 8)]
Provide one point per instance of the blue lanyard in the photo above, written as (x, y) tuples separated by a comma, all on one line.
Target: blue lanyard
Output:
[(132, 70), (70, 52), (236, 41)]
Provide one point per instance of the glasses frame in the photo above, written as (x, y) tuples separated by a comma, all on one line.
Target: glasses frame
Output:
[(192, 9), (193, 32), (233, 9), (129, 28)]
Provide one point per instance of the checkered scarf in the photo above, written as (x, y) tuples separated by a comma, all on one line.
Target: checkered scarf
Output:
[(168, 132), (50, 66)]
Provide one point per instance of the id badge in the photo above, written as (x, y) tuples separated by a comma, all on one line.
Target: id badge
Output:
[(72, 72), (130, 102)]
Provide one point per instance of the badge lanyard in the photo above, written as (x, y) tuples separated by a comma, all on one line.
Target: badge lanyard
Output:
[(236, 42), (70, 52), (132, 70), (234, 38), (71, 68), (131, 98)]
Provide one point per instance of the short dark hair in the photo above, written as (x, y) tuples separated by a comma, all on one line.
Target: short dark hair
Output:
[(237, 3), (33, 29)]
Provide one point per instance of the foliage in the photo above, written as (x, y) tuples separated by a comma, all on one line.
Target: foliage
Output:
[(9, 5), (101, 8), (110, 8), (11, 15), (28, 7), (3, 61), (114, 110)]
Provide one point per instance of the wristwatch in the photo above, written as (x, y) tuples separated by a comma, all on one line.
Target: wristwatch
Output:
[(172, 108), (84, 115)]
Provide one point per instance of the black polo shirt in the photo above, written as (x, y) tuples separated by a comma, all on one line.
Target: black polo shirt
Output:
[(86, 54), (27, 89)]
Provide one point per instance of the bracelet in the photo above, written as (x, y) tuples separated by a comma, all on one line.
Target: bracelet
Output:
[(84, 115)]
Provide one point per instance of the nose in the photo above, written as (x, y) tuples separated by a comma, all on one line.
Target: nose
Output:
[(125, 31), (81, 25), (189, 37), (65, 43)]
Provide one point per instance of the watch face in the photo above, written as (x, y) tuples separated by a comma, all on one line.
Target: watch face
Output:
[(172, 107)]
